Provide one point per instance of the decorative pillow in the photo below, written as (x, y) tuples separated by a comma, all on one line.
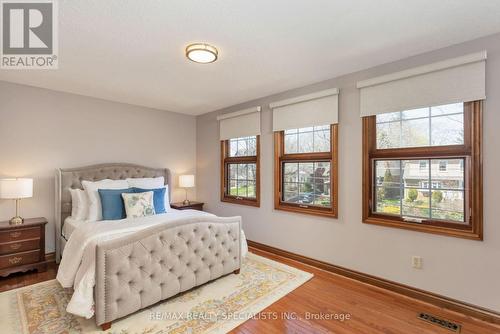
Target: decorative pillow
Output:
[(151, 183), (139, 204), (112, 203), (91, 188), (158, 198), (79, 204)]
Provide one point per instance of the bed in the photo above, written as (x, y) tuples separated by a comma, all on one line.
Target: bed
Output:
[(119, 267)]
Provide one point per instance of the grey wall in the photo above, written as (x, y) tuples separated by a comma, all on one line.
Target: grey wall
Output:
[(41, 130), (462, 269)]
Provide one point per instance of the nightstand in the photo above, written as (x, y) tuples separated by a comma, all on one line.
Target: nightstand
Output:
[(192, 205), (22, 247)]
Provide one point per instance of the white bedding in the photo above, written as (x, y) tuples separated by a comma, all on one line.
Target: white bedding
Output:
[(70, 224), (77, 267)]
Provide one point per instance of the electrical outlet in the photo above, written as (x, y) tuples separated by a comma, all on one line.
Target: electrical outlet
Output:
[(416, 262)]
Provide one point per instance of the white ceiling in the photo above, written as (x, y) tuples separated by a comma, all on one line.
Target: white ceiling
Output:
[(133, 51)]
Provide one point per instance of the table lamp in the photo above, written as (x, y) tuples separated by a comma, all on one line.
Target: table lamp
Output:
[(186, 181), (16, 189)]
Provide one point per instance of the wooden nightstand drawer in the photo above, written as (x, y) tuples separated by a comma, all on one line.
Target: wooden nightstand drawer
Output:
[(20, 234), (190, 206), (19, 259), (22, 247), (19, 246)]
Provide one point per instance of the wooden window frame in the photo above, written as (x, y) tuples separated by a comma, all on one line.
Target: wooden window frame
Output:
[(226, 160), (471, 150), (280, 157)]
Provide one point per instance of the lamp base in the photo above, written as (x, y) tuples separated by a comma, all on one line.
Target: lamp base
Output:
[(16, 220), (186, 202)]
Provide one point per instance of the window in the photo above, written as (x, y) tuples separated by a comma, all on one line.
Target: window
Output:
[(306, 170), (240, 170), (442, 165), (408, 191), (422, 169)]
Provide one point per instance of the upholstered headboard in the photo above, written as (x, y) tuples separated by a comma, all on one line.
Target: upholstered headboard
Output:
[(71, 178)]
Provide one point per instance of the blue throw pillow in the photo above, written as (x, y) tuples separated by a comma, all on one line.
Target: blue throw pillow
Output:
[(158, 198), (112, 203)]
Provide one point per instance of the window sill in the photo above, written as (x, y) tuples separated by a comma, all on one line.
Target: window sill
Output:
[(447, 231), (242, 201), (308, 211)]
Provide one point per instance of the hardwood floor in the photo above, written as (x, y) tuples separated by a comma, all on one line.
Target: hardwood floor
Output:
[(372, 310), (18, 280)]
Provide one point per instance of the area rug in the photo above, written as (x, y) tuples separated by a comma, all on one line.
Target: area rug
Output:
[(216, 307)]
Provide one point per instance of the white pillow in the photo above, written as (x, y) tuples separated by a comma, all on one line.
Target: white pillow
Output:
[(79, 204), (138, 204), (151, 183), (167, 199), (146, 182), (94, 212)]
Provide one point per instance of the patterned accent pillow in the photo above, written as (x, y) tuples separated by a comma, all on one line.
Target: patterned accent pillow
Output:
[(139, 204)]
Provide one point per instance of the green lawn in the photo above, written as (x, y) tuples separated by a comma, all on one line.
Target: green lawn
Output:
[(417, 208), (242, 191)]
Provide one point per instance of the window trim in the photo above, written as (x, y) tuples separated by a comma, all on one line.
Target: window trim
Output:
[(280, 157), (471, 150), (224, 174)]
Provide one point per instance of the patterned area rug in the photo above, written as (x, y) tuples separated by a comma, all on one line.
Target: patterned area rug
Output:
[(215, 307)]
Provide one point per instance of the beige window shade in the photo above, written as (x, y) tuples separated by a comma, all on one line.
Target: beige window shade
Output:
[(241, 123), (455, 80), (320, 108)]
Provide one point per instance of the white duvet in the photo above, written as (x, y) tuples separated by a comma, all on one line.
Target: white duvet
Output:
[(77, 267)]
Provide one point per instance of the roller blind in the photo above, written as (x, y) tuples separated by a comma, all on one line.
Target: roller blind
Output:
[(241, 123), (455, 80), (319, 108)]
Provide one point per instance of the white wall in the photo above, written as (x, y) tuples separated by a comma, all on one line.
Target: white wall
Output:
[(462, 269), (41, 130)]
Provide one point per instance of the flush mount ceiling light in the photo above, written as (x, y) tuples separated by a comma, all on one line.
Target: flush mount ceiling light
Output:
[(201, 53)]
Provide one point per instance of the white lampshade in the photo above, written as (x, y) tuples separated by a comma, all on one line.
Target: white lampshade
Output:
[(16, 188), (186, 181)]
